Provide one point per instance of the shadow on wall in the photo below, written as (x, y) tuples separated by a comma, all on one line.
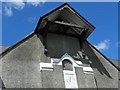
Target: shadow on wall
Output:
[(57, 45), (2, 84), (94, 61)]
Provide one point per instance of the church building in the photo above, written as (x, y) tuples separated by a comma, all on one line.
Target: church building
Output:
[(58, 55)]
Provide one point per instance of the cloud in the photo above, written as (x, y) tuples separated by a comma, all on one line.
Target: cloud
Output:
[(8, 11), (8, 6), (36, 2), (12, 0), (103, 45), (23, 0), (19, 5), (31, 19)]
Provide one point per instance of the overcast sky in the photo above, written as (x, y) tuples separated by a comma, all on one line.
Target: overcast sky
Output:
[(20, 19)]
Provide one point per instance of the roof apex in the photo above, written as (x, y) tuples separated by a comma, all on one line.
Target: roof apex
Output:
[(61, 12)]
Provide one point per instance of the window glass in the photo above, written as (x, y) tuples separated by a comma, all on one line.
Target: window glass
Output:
[(67, 64)]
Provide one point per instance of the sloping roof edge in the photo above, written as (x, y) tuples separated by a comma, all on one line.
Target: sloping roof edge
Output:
[(83, 19), (16, 44), (22, 40), (104, 56)]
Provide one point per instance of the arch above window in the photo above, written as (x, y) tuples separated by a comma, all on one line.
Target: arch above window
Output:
[(69, 59)]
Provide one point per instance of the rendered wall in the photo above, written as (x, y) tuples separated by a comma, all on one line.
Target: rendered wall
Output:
[(20, 67), (85, 80), (53, 79), (105, 73)]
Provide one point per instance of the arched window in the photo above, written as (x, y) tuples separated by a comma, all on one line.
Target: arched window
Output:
[(67, 65)]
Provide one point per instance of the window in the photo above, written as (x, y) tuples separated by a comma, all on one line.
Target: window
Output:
[(69, 75), (67, 65)]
